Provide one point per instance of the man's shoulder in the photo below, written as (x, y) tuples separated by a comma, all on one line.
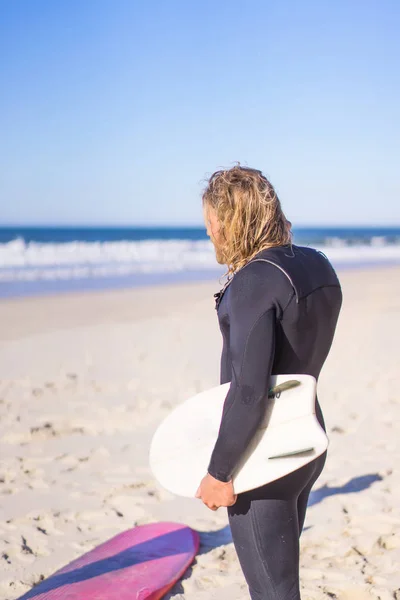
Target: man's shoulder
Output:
[(305, 267)]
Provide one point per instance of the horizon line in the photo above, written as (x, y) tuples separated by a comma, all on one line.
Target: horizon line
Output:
[(187, 226)]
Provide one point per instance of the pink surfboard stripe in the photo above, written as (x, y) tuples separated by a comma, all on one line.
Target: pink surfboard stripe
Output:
[(142, 563)]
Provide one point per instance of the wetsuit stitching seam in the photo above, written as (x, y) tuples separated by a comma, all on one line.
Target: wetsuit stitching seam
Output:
[(282, 271), (257, 536), (321, 287), (292, 295)]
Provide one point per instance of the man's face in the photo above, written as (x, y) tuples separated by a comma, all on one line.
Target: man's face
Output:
[(213, 232)]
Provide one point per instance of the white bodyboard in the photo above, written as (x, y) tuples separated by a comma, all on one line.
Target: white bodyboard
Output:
[(181, 447)]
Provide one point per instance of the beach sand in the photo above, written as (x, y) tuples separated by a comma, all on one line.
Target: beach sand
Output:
[(86, 378)]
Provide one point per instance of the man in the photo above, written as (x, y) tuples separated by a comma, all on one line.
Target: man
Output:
[(277, 315)]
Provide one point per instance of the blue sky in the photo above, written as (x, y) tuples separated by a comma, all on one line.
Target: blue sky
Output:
[(115, 111)]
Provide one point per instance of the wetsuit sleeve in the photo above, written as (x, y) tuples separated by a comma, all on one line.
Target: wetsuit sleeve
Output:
[(251, 344)]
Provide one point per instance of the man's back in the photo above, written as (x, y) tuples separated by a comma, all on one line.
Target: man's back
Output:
[(306, 328), (302, 286)]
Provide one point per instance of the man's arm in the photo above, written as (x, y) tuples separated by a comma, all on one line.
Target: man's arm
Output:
[(252, 318)]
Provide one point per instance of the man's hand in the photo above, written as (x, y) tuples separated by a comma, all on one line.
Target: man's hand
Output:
[(216, 493)]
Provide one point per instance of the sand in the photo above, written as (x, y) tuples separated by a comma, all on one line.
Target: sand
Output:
[(86, 378)]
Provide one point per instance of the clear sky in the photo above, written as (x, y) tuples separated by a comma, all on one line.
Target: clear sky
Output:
[(114, 111)]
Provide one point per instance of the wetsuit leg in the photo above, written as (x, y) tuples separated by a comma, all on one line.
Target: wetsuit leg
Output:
[(304, 495), (319, 465), (265, 531)]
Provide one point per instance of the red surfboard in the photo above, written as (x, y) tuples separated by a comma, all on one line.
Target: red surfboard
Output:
[(142, 563)]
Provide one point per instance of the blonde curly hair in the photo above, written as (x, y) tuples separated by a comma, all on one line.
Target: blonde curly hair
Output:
[(249, 213)]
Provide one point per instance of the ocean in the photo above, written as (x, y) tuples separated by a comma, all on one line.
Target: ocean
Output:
[(42, 260)]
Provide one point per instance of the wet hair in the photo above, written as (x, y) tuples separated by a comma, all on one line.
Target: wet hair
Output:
[(249, 213)]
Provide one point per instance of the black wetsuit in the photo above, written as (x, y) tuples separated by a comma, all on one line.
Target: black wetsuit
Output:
[(275, 317)]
